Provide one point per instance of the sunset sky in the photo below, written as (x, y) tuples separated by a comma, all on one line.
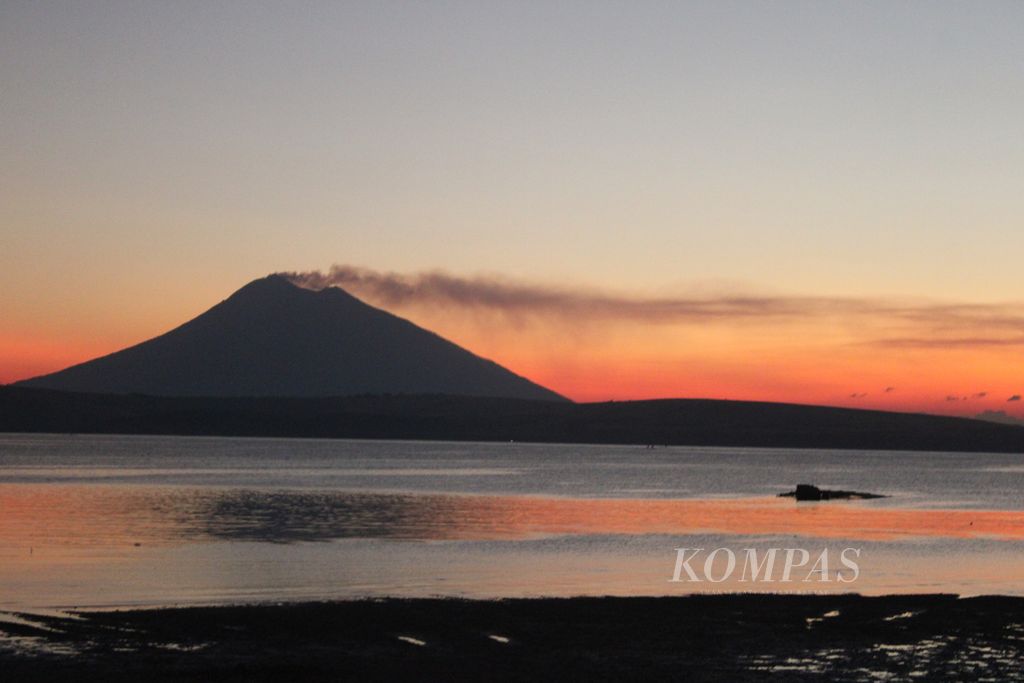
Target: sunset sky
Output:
[(791, 201)]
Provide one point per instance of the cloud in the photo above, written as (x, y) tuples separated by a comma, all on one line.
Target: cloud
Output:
[(956, 398), (980, 394), (940, 342), (889, 390), (1015, 397), (885, 323)]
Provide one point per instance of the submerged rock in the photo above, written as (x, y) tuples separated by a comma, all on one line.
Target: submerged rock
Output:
[(808, 492)]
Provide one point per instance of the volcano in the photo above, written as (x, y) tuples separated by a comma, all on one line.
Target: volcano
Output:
[(273, 338)]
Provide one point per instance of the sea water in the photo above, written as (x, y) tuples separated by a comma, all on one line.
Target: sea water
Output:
[(108, 521)]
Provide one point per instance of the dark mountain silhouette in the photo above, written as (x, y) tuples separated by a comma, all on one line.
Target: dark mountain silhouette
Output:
[(272, 338), (691, 422)]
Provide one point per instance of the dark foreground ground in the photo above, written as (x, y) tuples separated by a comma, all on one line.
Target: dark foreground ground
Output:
[(720, 637)]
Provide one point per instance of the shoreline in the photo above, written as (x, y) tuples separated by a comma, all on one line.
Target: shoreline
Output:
[(735, 636)]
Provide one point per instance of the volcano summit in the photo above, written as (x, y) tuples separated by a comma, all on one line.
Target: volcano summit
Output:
[(273, 338)]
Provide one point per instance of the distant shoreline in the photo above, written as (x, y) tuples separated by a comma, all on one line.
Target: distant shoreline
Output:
[(675, 422), (734, 637)]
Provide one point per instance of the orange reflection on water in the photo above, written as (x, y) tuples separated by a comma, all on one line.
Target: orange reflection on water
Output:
[(515, 517), (34, 515), (117, 545)]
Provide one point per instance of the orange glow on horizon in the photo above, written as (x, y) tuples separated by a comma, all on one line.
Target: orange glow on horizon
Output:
[(24, 357), (799, 362)]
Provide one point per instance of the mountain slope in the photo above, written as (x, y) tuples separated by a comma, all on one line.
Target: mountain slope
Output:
[(272, 338)]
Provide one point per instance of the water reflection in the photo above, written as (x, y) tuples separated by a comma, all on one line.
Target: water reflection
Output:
[(934, 480), (161, 520), (66, 545), (32, 515)]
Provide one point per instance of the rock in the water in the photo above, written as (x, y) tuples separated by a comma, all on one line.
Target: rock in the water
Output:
[(808, 492)]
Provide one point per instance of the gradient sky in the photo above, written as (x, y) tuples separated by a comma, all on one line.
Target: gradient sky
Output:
[(157, 156)]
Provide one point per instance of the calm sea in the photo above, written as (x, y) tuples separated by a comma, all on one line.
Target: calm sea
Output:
[(104, 521)]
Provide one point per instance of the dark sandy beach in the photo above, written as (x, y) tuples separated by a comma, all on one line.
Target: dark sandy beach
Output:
[(707, 637)]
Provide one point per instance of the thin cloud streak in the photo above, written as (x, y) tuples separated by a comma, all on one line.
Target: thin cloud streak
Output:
[(940, 342)]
